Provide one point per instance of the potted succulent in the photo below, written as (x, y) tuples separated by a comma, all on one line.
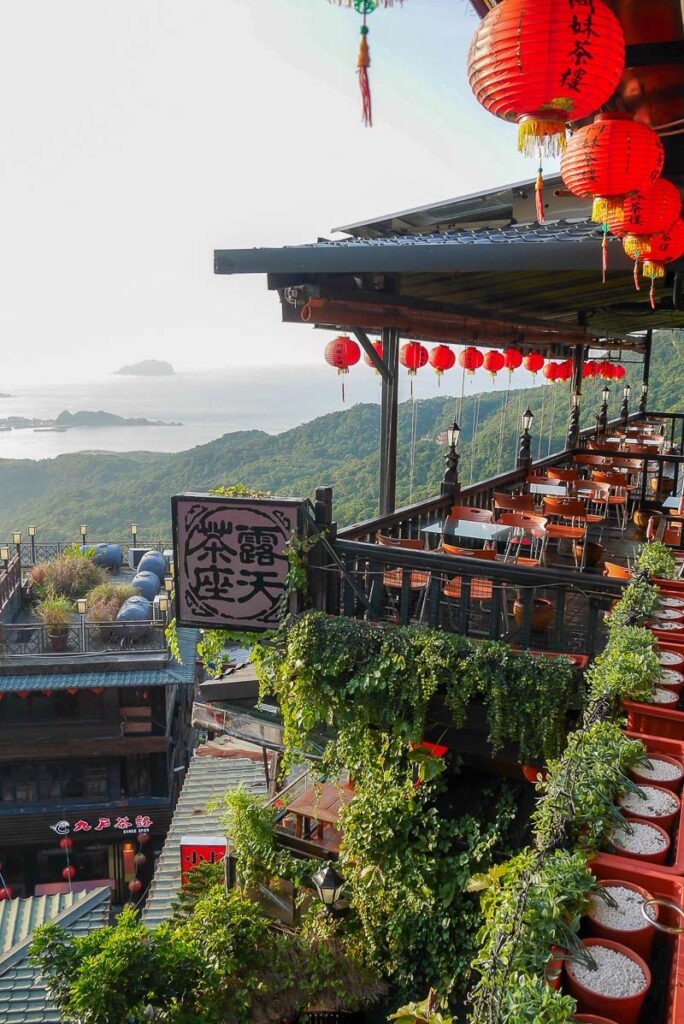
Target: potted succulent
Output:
[(54, 611), (616, 983)]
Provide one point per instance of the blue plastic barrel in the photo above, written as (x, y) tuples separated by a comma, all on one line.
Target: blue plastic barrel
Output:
[(147, 583), (135, 609), (154, 562)]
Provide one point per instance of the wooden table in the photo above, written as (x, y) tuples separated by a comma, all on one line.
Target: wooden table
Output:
[(322, 803)]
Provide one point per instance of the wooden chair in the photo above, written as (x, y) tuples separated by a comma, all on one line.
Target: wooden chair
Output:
[(606, 446), (481, 589), (526, 530), (589, 460), (505, 502), (471, 514), (567, 521), (617, 494), (393, 578), (569, 476), (616, 571)]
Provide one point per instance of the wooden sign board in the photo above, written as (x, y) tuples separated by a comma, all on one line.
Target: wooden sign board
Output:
[(230, 563)]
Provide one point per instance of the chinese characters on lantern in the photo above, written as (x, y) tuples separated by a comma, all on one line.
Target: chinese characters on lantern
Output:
[(123, 823), (231, 560), (583, 32)]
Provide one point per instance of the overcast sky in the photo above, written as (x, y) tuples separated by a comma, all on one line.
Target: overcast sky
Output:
[(140, 135)]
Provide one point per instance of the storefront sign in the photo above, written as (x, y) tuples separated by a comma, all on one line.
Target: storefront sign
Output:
[(196, 850), (230, 560), (123, 823)]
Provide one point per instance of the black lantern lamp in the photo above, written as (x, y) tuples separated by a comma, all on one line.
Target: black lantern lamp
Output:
[(329, 885), (602, 421), (450, 484), (525, 442), (624, 412), (644, 398)]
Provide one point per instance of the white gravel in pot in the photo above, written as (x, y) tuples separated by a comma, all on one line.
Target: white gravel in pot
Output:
[(616, 975), (627, 916), (654, 803), (659, 771), (663, 696), (671, 677), (642, 839), (670, 658)]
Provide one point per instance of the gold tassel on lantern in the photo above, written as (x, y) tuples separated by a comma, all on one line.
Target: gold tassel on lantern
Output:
[(634, 244), (653, 269), (604, 209), (542, 134)]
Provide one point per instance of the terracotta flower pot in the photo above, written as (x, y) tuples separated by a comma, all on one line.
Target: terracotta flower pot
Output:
[(674, 785), (664, 820), (590, 1018), (646, 858), (58, 641), (542, 613), (534, 775), (638, 939), (640, 520), (626, 1009), (594, 552)]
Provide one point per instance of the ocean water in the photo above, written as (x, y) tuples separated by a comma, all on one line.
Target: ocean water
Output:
[(207, 404)]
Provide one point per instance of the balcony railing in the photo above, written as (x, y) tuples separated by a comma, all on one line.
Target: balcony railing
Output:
[(34, 552), (26, 640)]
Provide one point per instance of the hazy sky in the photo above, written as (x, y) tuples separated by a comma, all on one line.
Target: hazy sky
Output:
[(140, 135)]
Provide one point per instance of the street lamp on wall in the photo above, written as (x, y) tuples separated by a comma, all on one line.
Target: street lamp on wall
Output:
[(450, 484), (329, 885), (163, 603), (134, 532), (525, 443), (4, 554)]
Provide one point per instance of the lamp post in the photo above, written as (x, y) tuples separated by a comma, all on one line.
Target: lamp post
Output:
[(524, 460), (163, 606), (450, 484), (643, 399), (16, 538), (574, 424), (134, 532), (602, 421), (4, 554), (624, 412), (32, 535), (81, 607), (84, 534), (329, 885)]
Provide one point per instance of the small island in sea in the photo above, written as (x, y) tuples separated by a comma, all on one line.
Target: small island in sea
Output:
[(84, 418), (148, 368)]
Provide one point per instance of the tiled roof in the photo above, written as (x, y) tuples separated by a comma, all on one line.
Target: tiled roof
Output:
[(207, 778), (23, 996), (553, 231), (172, 672)]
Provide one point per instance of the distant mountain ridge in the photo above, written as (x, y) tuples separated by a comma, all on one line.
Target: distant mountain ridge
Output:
[(84, 418), (147, 368), (108, 490)]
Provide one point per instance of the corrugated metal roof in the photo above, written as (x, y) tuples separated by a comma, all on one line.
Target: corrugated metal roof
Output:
[(511, 234), (23, 996), (207, 778), (173, 672)]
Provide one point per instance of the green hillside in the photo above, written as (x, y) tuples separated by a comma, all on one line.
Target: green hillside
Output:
[(108, 491)]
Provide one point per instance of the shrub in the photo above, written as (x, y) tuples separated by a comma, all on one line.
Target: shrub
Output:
[(105, 600), (70, 575), (657, 560), (55, 611)]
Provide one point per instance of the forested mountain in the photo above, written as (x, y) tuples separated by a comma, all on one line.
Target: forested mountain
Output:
[(108, 491)]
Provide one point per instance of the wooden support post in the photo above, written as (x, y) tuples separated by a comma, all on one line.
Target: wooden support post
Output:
[(319, 579), (643, 401), (388, 421), (573, 436)]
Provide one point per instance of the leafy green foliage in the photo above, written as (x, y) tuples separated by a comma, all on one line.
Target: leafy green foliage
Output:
[(627, 669), (55, 610), (638, 602), (658, 561)]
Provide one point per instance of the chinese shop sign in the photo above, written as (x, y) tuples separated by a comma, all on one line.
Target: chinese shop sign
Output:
[(230, 560), (196, 850), (123, 823)]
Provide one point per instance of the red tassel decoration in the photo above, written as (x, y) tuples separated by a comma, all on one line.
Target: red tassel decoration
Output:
[(651, 293), (604, 253), (539, 194), (637, 283), (363, 64)]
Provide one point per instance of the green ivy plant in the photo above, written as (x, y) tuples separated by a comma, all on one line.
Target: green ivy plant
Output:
[(657, 560), (627, 669), (638, 602)]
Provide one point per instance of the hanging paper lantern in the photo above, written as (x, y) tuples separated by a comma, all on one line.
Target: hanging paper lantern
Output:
[(619, 372), (97, 690), (68, 872), (73, 690), (645, 214), (47, 693), (565, 370), (135, 885), (590, 369), (66, 844), (342, 353), (471, 359), (143, 838), (512, 359), (140, 858), (6, 893), (533, 362), (608, 371), (24, 694), (551, 371), (493, 362), (413, 356), (442, 358), (609, 159), (663, 248), (377, 345), (544, 63)]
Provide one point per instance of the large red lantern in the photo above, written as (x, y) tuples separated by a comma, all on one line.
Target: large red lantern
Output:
[(68, 872), (442, 358), (471, 359), (609, 159), (342, 353), (512, 359), (663, 248), (377, 345), (551, 371), (645, 214), (533, 362), (413, 356), (542, 63), (493, 362)]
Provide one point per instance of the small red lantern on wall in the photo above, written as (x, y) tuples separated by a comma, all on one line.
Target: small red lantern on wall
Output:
[(512, 359), (493, 362), (135, 885), (68, 872), (377, 345), (342, 353), (471, 359), (590, 369), (609, 159), (663, 248), (442, 358), (533, 362), (619, 372)]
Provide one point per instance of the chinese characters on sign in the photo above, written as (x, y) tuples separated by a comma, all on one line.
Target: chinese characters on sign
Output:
[(122, 823), (230, 560)]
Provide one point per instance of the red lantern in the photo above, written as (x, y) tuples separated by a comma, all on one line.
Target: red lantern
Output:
[(544, 63), (24, 694), (533, 362), (442, 358), (493, 362), (512, 359), (140, 858), (551, 371), (97, 690), (590, 369), (619, 372), (645, 214), (609, 159), (663, 248), (565, 370), (73, 690), (471, 359), (66, 844), (377, 345), (413, 356), (143, 838), (608, 370), (68, 872), (135, 885), (6, 893), (342, 353)]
